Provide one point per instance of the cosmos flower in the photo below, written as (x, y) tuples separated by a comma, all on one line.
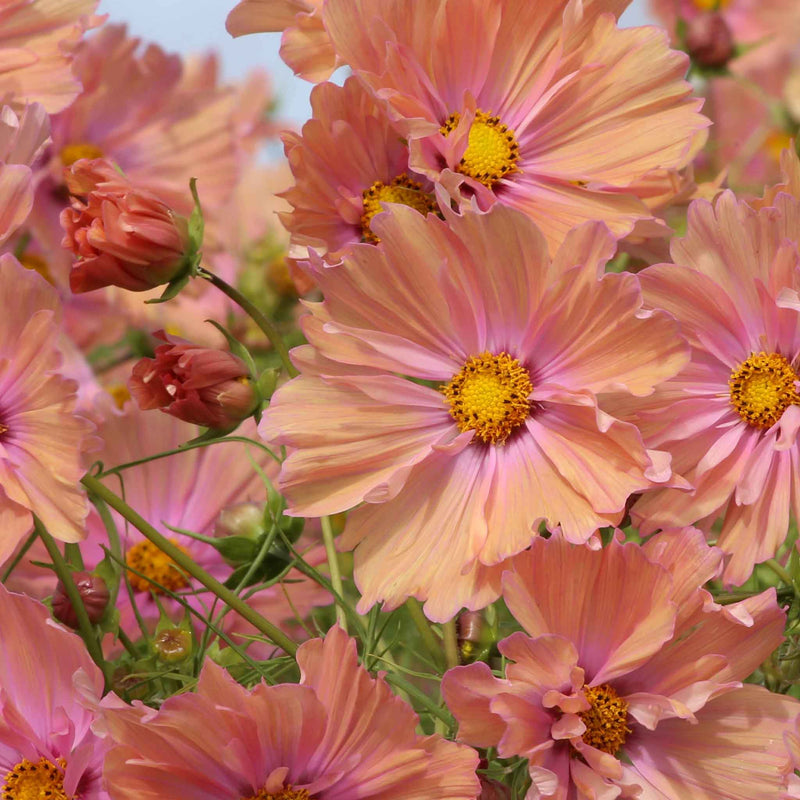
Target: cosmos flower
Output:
[(50, 690), (42, 440), (348, 159), (338, 734), (730, 418), (558, 115), (450, 388), (631, 687)]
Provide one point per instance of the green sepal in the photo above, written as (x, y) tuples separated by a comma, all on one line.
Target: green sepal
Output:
[(172, 289), (196, 223), (273, 567)]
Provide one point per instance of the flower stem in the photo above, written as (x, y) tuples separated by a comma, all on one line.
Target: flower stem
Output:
[(433, 645), (450, 644), (85, 627), (186, 563), (333, 565), (255, 314), (779, 571)]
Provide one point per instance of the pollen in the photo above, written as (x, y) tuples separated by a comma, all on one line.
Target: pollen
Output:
[(492, 150), (775, 143), (607, 720), (401, 190), (711, 5), (70, 153), (29, 781), (287, 793), (489, 395), (153, 567), (762, 387), (119, 394), (37, 264)]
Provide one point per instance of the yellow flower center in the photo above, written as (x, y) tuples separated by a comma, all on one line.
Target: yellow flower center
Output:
[(120, 394), (775, 143), (71, 153), (37, 264), (154, 567), (287, 793), (762, 388), (401, 190), (711, 5), (43, 780), (3, 429), (492, 150), (606, 720), (489, 395)]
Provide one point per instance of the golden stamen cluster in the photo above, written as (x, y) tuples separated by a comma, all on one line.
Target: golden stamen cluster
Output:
[(155, 567), (489, 395), (762, 387), (287, 793), (492, 150), (607, 720), (29, 781), (71, 153), (401, 190)]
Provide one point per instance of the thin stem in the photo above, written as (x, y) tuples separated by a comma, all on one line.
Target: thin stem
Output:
[(429, 639), (450, 644), (186, 563), (19, 556), (85, 626), (333, 565), (779, 571), (255, 314)]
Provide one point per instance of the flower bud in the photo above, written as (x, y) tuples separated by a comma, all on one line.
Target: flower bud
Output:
[(172, 645), (197, 384), (241, 519), (93, 592), (709, 40), (120, 234)]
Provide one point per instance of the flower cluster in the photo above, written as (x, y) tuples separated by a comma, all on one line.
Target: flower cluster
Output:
[(477, 473)]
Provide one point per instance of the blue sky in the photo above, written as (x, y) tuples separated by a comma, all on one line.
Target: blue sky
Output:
[(188, 26)]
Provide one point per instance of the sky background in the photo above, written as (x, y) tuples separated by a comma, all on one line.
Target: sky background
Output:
[(190, 26)]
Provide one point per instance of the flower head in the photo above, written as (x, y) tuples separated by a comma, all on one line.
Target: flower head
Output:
[(50, 690), (41, 438), (627, 680), (121, 235), (558, 116), (730, 418), (197, 384), (450, 388), (339, 734)]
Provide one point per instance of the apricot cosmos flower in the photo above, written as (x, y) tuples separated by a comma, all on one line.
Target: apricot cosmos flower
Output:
[(545, 106), (450, 387), (632, 687), (731, 417), (338, 734)]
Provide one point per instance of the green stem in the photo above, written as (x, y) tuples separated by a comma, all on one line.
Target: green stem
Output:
[(19, 556), (255, 314), (85, 627), (186, 563), (333, 565), (451, 644), (779, 571), (429, 639)]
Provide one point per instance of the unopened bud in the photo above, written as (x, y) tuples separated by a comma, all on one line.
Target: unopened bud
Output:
[(93, 592), (172, 645), (709, 40), (242, 519)]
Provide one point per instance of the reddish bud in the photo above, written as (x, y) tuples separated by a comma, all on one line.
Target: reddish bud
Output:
[(93, 592), (121, 235), (197, 384), (172, 645), (709, 40)]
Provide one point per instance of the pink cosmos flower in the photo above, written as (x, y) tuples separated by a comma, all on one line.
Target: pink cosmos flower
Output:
[(204, 386), (347, 161), (50, 687), (627, 680), (41, 438), (305, 45), (186, 490), (37, 47), (450, 386), (730, 418), (558, 115), (338, 734), (120, 234)]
